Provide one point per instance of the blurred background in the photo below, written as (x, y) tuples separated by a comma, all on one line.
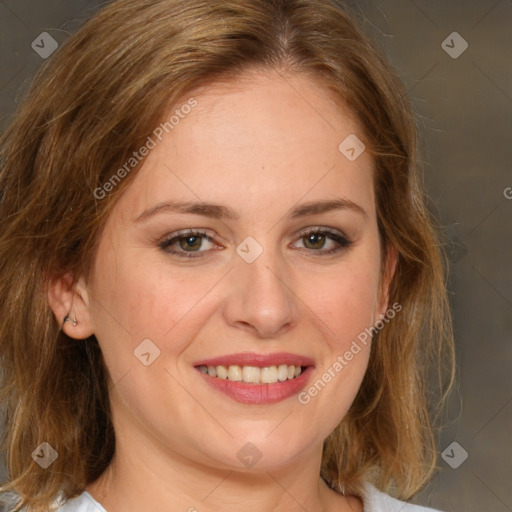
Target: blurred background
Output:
[(455, 61)]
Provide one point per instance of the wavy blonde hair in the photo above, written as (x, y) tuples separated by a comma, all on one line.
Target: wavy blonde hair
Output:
[(94, 103)]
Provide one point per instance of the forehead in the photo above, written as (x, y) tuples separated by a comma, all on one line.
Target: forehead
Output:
[(263, 138)]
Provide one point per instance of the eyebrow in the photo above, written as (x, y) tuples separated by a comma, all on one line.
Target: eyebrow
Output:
[(216, 211)]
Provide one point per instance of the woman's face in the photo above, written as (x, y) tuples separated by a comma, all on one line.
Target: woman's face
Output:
[(253, 171)]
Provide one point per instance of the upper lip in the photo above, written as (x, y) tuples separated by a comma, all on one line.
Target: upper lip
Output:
[(259, 360)]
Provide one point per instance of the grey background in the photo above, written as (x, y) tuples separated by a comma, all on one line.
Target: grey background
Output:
[(464, 108)]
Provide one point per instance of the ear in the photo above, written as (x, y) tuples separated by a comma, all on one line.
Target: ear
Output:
[(386, 279), (70, 299)]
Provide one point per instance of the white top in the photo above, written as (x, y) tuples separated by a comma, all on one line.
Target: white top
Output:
[(373, 500)]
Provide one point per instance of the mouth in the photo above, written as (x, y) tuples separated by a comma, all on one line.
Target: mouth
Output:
[(254, 374), (257, 379)]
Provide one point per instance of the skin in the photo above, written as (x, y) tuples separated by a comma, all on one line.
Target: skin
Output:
[(261, 145)]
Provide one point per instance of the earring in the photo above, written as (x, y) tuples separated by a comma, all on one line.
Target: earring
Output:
[(67, 319)]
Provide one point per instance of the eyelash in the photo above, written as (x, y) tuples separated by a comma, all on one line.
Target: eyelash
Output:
[(341, 240)]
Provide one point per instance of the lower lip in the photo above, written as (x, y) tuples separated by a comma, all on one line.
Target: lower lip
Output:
[(259, 394)]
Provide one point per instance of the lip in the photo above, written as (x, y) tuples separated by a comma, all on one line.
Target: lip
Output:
[(259, 360), (258, 394)]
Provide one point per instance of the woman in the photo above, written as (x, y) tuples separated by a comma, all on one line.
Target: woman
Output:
[(220, 284)]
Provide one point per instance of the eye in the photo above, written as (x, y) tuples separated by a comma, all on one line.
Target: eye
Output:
[(186, 243), (316, 239), (194, 243)]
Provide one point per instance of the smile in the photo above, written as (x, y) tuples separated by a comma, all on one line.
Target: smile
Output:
[(257, 379), (253, 374)]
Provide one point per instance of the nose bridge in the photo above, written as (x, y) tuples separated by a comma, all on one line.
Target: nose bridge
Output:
[(260, 297)]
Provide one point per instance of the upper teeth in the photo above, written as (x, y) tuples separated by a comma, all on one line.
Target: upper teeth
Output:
[(253, 374)]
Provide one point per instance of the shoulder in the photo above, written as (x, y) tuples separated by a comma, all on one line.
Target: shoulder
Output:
[(377, 501), (82, 503), (373, 500)]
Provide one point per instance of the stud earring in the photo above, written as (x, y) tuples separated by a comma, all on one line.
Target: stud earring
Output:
[(67, 319)]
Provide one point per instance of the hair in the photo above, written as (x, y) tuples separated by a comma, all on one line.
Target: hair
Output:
[(90, 107)]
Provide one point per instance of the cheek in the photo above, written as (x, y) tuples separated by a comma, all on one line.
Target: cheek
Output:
[(137, 298), (343, 305), (346, 301)]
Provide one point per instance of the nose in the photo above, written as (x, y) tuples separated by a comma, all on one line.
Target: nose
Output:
[(260, 297)]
